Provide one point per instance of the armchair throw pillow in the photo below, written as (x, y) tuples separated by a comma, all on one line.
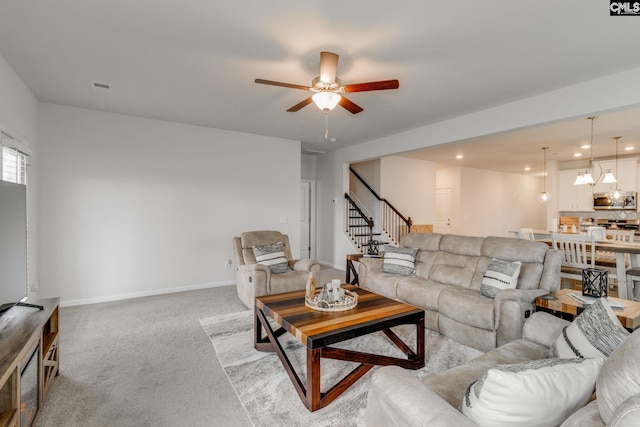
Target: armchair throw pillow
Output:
[(500, 275), (272, 256), (596, 332), (399, 260), (536, 393)]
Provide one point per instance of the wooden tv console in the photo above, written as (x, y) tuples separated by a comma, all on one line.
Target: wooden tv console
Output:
[(23, 330)]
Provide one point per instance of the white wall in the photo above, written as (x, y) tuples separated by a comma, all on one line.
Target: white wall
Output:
[(409, 185), (19, 119), (131, 206), (591, 97), (492, 203), (489, 203), (369, 171), (308, 167)]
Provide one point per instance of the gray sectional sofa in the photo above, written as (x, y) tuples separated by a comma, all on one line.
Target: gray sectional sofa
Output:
[(399, 398), (449, 270)]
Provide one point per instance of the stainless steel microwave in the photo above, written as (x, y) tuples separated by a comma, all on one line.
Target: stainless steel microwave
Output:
[(602, 202)]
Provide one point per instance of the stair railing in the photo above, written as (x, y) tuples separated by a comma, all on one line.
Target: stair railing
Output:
[(394, 224), (359, 226)]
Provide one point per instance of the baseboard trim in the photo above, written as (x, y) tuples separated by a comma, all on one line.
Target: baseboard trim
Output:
[(330, 265), (109, 298)]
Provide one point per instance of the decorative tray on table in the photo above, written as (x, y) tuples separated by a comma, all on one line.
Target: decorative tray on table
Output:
[(317, 303)]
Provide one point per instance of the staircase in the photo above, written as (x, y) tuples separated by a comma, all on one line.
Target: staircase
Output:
[(361, 228)]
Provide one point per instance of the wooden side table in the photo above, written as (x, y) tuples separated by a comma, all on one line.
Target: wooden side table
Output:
[(566, 307), (351, 269)]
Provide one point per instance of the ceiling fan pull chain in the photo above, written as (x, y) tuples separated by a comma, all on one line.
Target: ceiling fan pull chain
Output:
[(326, 125)]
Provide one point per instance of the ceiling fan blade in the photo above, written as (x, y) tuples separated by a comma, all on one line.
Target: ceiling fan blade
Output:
[(328, 67), (300, 104), (350, 106), (289, 85), (363, 87)]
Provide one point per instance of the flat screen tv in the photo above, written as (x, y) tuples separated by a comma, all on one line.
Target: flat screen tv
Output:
[(13, 244)]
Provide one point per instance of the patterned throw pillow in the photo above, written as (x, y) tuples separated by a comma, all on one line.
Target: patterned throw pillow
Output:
[(596, 332), (500, 275), (272, 256), (537, 393), (399, 260)]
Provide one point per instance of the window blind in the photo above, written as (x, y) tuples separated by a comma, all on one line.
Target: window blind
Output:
[(13, 162)]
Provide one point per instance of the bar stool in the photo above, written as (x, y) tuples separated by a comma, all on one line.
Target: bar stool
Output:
[(633, 275)]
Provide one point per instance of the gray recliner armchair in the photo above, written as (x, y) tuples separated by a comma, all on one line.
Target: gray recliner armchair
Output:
[(254, 279)]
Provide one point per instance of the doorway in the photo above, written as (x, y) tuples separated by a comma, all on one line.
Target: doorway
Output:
[(443, 211), (307, 219)]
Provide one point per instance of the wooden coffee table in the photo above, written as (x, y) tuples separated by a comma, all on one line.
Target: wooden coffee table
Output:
[(319, 330), (566, 307)]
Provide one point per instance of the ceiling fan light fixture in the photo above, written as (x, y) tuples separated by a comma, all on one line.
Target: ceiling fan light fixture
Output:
[(326, 101)]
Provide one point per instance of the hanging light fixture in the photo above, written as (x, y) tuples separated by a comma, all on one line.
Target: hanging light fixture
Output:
[(586, 177), (544, 196), (326, 101), (617, 194)]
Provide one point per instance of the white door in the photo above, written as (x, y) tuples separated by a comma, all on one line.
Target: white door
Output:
[(305, 220), (443, 211)]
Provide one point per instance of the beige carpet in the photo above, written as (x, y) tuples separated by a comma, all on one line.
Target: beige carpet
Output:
[(269, 398), (145, 362)]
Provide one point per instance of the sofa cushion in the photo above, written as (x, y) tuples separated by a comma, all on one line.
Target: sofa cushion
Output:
[(422, 241), (511, 249), (424, 262), (451, 384), (468, 307), (383, 283), (596, 332), (399, 260), (588, 415), (272, 256), (462, 245), (620, 377), (454, 269), (531, 254), (540, 392), (500, 275), (420, 292)]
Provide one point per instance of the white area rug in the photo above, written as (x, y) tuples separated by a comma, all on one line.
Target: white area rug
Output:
[(267, 394)]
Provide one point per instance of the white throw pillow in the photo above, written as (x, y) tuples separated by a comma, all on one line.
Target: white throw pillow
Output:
[(538, 393), (272, 256), (596, 332), (399, 260), (500, 275)]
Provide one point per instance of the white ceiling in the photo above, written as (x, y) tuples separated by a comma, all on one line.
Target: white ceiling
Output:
[(195, 62)]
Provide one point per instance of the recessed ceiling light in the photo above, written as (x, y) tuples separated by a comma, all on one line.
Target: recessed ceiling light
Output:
[(577, 154), (459, 156), (585, 146), (629, 148), (527, 168)]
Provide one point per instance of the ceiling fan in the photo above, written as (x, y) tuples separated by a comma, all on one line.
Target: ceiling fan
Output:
[(329, 89)]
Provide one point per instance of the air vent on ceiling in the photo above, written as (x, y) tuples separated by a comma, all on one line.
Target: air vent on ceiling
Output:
[(308, 150), (101, 87)]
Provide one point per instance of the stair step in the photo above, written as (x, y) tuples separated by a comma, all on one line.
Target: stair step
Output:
[(368, 234), (356, 226)]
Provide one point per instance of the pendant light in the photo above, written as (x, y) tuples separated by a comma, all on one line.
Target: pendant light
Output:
[(586, 177), (617, 194), (544, 196)]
